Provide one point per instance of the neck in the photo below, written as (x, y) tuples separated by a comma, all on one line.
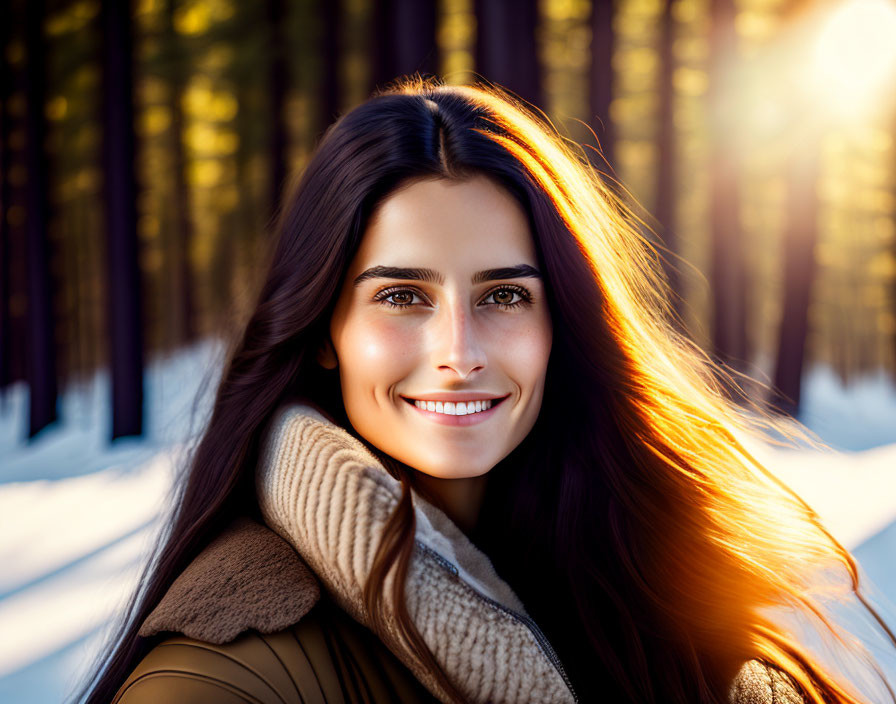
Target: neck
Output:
[(459, 499)]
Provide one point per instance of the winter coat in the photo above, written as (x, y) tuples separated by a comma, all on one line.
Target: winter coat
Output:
[(274, 613)]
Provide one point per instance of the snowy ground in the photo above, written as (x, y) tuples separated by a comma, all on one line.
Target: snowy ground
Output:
[(79, 513)]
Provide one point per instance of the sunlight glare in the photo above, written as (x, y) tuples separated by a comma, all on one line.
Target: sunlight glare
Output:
[(855, 53)]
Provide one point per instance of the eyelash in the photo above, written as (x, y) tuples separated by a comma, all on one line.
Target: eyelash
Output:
[(523, 293)]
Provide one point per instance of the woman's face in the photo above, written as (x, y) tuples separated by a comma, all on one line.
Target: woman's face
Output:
[(443, 303)]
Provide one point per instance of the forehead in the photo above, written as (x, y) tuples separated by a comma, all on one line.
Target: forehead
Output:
[(444, 223)]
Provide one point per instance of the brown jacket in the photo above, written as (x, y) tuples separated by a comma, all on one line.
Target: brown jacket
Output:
[(270, 613), (246, 622)]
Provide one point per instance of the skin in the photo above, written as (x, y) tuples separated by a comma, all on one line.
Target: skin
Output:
[(449, 336)]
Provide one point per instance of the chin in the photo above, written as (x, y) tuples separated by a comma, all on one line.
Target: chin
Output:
[(457, 470)]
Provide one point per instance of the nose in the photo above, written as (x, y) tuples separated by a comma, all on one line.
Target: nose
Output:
[(457, 344)]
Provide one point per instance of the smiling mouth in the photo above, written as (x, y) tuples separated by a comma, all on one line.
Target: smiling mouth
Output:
[(456, 408)]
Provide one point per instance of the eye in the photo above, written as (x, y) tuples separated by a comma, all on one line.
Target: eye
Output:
[(503, 296), (404, 297)]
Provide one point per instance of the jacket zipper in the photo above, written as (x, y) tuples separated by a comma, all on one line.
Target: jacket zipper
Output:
[(527, 621)]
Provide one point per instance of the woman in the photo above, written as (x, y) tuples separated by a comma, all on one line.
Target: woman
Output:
[(586, 527)]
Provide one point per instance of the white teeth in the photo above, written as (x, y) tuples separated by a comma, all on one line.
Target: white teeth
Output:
[(454, 408)]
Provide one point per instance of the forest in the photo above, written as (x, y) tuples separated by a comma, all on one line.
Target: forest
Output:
[(144, 147)]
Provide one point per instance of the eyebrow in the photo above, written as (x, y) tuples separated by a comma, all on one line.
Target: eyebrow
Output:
[(431, 275)]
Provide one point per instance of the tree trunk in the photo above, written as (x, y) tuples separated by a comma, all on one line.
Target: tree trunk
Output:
[(124, 289), (602, 83), (42, 381), (180, 246), (728, 275), (666, 158), (506, 46), (331, 51), (5, 92), (405, 39), (279, 86), (799, 274)]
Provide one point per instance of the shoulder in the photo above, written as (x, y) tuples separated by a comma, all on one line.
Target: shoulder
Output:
[(325, 657), (757, 682)]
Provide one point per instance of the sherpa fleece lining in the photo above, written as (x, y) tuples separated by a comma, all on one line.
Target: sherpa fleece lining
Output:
[(247, 577)]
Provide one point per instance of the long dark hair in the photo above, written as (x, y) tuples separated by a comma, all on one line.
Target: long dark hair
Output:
[(631, 521)]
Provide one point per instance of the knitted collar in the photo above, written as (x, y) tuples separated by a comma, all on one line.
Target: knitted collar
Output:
[(324, 496), (329, 497)]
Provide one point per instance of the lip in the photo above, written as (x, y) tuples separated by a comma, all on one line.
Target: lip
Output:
[(455, 396), (470, 419)]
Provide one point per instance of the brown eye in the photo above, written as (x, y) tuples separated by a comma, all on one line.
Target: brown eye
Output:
[(401, 297), (503, 297)]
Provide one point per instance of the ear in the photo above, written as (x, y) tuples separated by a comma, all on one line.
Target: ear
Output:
[(326, 355)]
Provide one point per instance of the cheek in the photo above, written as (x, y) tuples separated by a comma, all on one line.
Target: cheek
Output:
[(374, 353), (526, 350)]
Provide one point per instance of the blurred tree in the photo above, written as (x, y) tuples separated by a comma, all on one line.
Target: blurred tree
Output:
[(124, 284), (14, 206), (71, 143), (331, 52), (278, 87), (5, 158), (888, 324), (179, 246), (233, 96), (728, 271), (666, 201), (405, 39), (42, 382), (250, 200), (505, 41), (602, 82), (799, 262)]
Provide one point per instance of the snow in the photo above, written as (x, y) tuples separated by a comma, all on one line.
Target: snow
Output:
[(80, 513), (854, 493)]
